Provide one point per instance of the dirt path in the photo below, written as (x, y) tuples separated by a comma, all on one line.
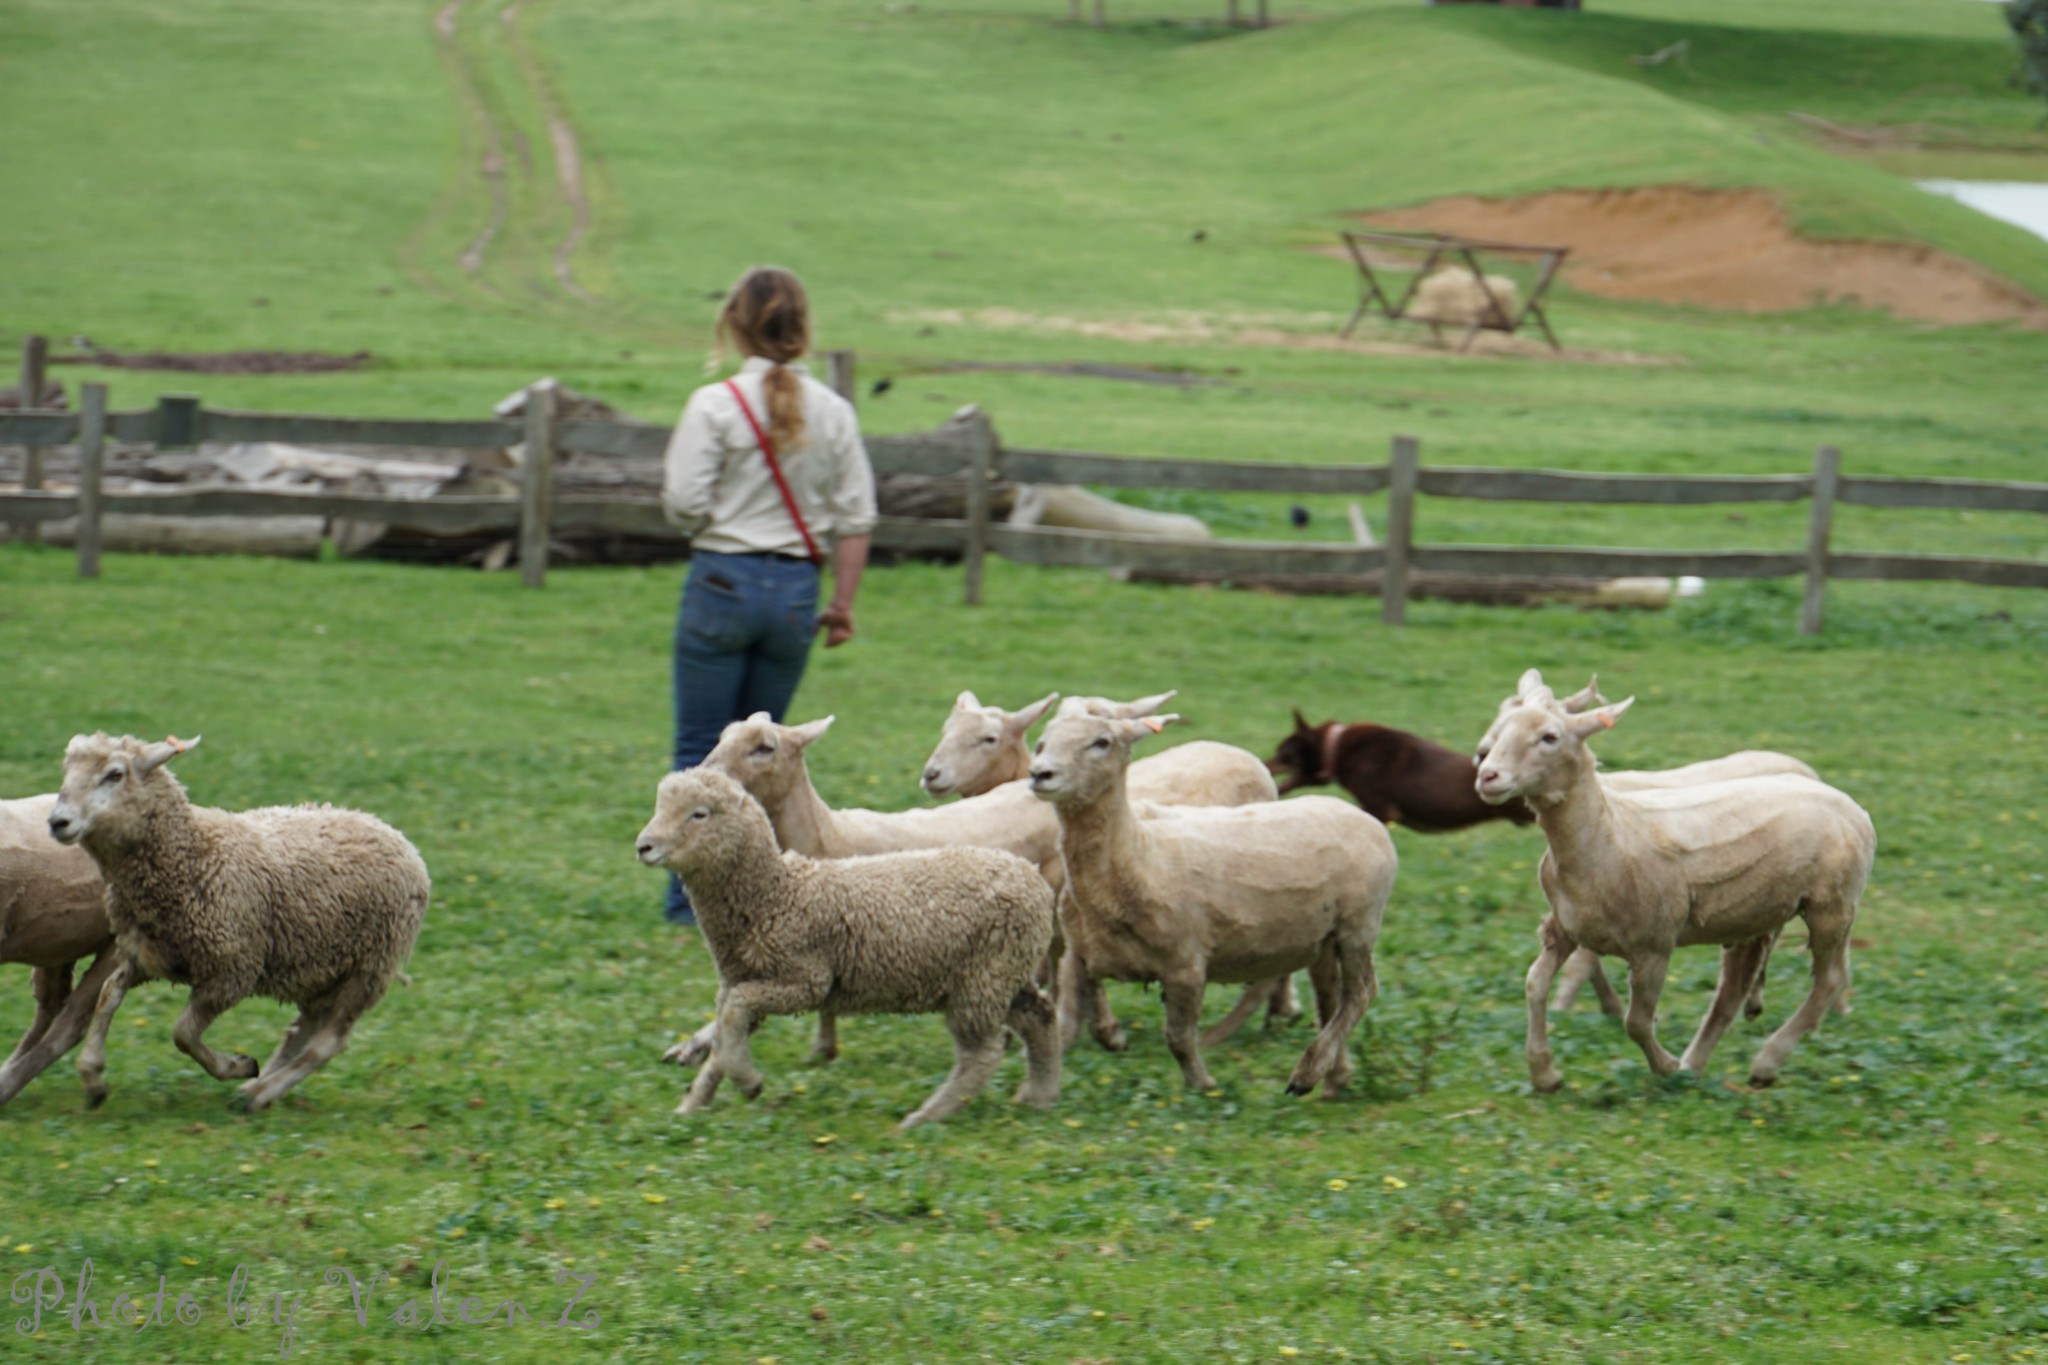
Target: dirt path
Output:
[(568, 151)]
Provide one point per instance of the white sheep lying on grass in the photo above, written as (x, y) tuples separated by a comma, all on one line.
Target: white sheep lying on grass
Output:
[(956, 931), (1456, 297), (1637, 875), (53, 915), (982, 748), (312, 905), (1584, 965), (1246, 893)]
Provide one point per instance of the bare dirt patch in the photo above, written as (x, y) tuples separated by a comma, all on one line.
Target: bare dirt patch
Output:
[(1278, 331), (1726, 249), (221, 362)]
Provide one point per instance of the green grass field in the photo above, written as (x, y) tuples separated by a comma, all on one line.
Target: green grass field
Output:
[(309, 177), (507, 1114)]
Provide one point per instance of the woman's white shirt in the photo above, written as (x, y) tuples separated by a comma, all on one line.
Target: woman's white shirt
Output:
[(716, 486)]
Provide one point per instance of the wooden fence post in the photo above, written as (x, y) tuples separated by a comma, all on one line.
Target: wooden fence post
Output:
[(840, 365), (1827, 465), (35, 358), (177, 421), (537, 484), (1400, 529), (92, 449), (981, 459)]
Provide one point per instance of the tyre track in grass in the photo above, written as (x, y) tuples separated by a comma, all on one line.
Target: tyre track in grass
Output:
[(519, 247)]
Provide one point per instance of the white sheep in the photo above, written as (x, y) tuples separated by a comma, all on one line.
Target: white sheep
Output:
[(1456, 297), (1584, 964), (53, 915), (1637, 875), (954, 931), (312, 905), (983, 747), (1245, 893)]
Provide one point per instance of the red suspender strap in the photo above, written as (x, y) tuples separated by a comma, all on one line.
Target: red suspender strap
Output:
[(775, 469)]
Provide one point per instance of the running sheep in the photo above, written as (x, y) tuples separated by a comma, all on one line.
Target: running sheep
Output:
[(954, 931), (53, 915), (315, 906)]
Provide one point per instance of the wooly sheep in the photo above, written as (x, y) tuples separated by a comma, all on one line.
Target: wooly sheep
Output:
[(1245, 893), (311, 905), (983, 747), (956, 931), (1637, 875), (1456, 297), (53, 915)]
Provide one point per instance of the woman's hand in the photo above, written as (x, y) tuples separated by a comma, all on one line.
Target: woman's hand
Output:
[(837, 623)]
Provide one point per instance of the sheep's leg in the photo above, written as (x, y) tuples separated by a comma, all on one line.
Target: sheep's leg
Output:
[(1102, 1021), (1754, 1005), (1080, 993), (1581, 967), (1255, 995), (1738, 974), (1328, 979), (52, 987), (189, 1033), (1645, 985), (694, 1048), (1327, 1060), (1829, 941), (1031, 1017), (332, 1021), (977, 1052), (1183, 997), (825, 1047), (61, 1035), (292, 1044), (741, 1008), (1555, 946), (1283, 1004), (92, 1062), (702, 1089)]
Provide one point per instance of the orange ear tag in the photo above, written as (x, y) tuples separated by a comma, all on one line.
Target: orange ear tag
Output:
[(1153, 723)]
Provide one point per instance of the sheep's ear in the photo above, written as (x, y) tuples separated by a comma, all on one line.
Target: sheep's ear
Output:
[(1017, 722), (760, 718), (1599, 718), (1142, 727), (966, 701), (1589, 695), (156, 755), (810, 733), (1145, 706), (1531, 685)]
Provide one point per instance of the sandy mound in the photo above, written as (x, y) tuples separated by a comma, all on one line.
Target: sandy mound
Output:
[(1729, 249)]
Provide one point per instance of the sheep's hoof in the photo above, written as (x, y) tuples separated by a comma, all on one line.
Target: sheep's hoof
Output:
[(1752, 1011), (1113, 1040), (1547, 1082), (748, 1092), (95, 1096), (242, 1068), (689, 1052), (1758, 1082), (1295, 1089), (823, 1056), (246, 1101), (1037, 1099)]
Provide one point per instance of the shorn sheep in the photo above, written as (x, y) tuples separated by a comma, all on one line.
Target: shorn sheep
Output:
[(1637, 875), (1585, 964), (956, 931), (982, 748), (1246, 893), (311, 905), (53, 915)]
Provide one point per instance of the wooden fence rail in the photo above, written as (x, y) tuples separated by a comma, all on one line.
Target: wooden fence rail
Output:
[(968, 447)]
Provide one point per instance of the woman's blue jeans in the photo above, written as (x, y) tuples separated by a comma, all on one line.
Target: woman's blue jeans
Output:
[(743, 633)]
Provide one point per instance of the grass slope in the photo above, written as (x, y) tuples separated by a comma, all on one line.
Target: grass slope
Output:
[(505, 1112)]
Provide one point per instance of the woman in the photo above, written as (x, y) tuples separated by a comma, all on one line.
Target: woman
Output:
[(766, 474)]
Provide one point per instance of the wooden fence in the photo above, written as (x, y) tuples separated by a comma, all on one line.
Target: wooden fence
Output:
[(969, 445)]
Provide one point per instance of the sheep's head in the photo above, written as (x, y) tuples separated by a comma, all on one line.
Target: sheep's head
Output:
[(1532, 685), (1080, 757), (107, 782), (974, 744), (702, 819), (1537, 748), (1115, 710), (765, 758)]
